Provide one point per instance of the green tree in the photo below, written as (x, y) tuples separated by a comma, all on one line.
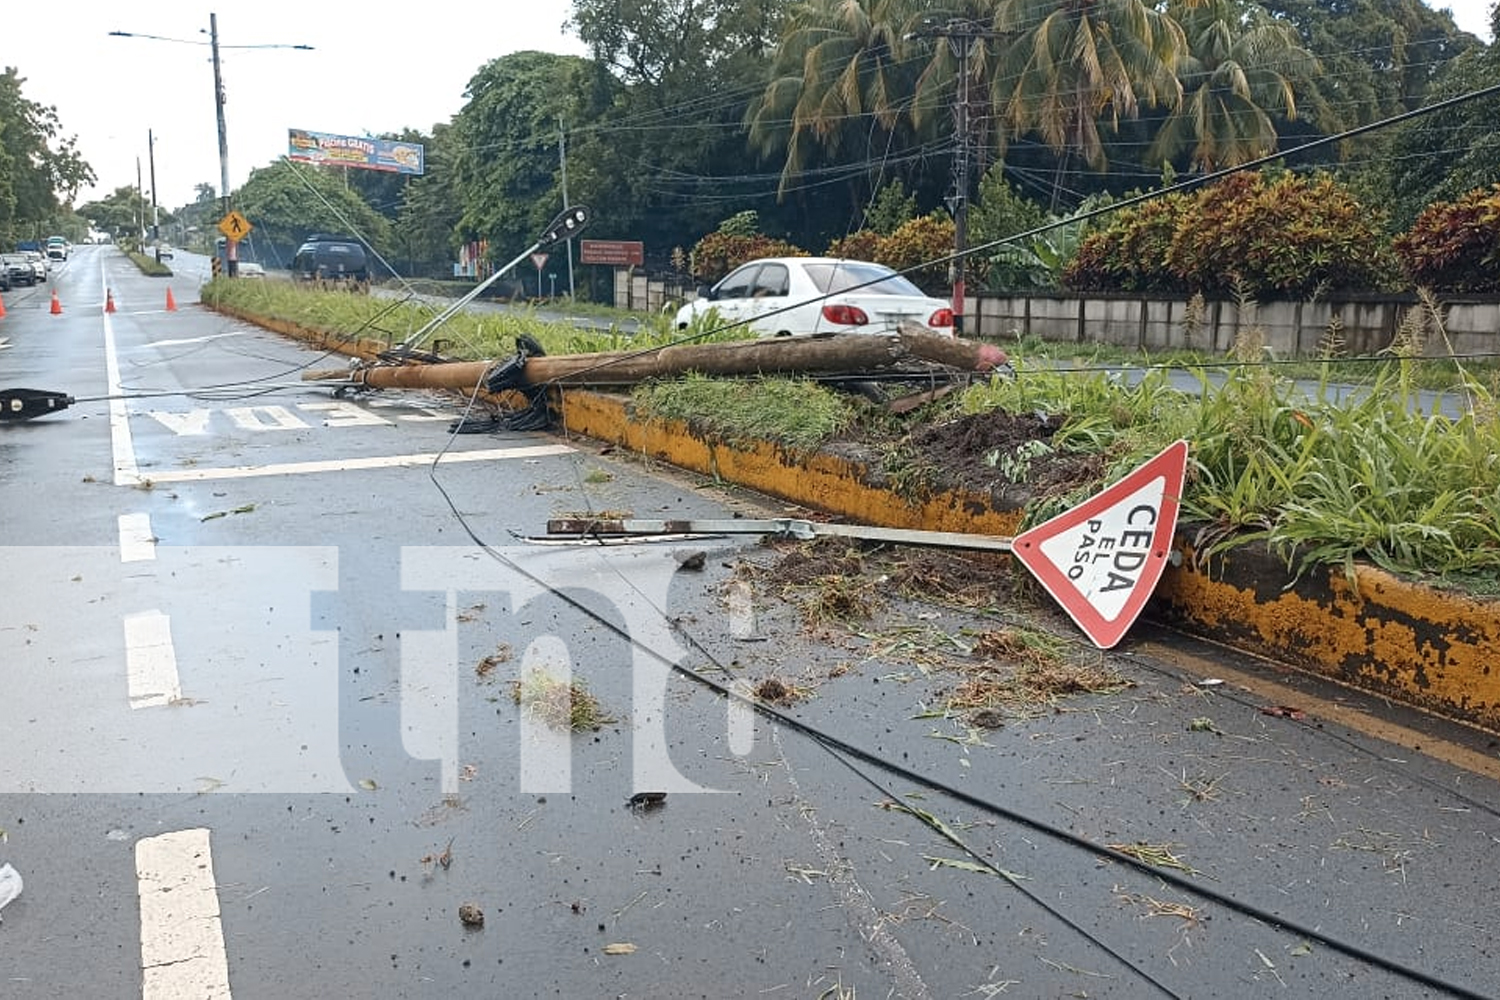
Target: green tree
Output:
[(656, 142), (507, 165), (41, 170), (891, 206), (1073, 65), (121, 213), (1441, 156), (288, 201), (426, 229), (1379, 57), (1241, 67)]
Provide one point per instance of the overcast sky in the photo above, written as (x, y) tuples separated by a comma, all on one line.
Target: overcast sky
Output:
[(375, 68)]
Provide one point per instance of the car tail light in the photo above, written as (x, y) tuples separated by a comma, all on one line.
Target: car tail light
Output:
[(941, 318), (845, 315)]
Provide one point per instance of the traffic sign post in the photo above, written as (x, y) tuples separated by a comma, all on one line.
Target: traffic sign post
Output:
[(540, 260), (235, 227), (1102, 559)]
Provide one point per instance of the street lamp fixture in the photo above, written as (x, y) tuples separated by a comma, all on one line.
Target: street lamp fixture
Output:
[(213, 43)]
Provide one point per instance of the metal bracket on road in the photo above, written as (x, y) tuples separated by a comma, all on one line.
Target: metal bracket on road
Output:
[(23, 404), (594, 530)]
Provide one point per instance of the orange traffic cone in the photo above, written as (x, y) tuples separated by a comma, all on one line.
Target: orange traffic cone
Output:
[(2, 308), (56, 305), (109, 300), (171, 302)]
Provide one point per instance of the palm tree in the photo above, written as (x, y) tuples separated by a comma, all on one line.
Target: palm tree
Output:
[(846, 68), (1242, 67), (1075, 63)]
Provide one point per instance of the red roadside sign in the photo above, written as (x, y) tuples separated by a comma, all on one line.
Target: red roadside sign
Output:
[(1102, 559), (619, 253)]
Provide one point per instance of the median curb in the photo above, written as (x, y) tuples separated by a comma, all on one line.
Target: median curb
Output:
[(1429, 648)]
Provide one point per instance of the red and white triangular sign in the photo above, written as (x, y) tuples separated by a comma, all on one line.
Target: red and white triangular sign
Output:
[(1101, 559)]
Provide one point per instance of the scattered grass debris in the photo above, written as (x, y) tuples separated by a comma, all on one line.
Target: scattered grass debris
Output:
[(1157, 855), (244, 508), (775, 690), (485, 668), (443, 859), (1032, 684), (619, 948), (1190, 915), (559, 704)]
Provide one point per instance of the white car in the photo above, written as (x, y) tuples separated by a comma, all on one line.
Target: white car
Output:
[(786, 296), (249, 269)]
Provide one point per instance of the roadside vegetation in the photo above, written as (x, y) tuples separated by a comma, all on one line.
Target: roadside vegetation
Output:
[(1347, 467)]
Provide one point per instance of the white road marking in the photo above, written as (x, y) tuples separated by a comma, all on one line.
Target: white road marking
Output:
[(137, 543), (182, 937), (353, 464), (262, 418), (4, 343), (150, 660), (126, 471), (190, 340), (182, 424)]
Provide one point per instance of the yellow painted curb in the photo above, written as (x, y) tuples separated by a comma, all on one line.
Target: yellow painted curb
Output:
[(1430, 648), (821, 481)]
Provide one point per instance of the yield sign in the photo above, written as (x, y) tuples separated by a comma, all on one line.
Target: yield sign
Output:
[(1101, 560)]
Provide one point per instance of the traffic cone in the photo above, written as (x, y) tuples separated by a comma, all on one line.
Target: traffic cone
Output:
[(56, 305), (171, 302), (109, 300), (2, 308)]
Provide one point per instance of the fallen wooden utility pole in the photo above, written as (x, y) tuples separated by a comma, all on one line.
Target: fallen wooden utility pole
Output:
[(849, 353), (846, 353)]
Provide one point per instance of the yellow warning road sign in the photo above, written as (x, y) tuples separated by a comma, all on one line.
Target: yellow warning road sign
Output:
[(235, 226)]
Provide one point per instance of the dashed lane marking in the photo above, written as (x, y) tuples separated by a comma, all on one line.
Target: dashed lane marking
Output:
[(150, 660), (182, 937), (137, 543), (353, 464)]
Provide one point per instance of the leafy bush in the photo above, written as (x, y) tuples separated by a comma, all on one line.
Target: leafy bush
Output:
[(719, 253), (1131, 254), (1454, 246), (861, 245), (927, 238), (1252, 233)]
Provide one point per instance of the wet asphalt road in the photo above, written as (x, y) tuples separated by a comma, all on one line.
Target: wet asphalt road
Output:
[(256, 691)]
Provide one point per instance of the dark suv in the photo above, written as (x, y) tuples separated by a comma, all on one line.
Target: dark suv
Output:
[(332, 260)]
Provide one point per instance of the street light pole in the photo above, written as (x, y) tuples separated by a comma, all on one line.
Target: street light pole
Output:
[(155, 217)]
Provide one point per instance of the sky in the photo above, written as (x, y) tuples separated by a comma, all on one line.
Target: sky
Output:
[(374, 68)]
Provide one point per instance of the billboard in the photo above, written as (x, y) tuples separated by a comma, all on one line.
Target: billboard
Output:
[(363, 153)]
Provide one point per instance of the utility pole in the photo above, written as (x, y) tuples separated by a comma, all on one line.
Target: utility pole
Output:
[(562, 156), (963, 35), (140, 204), (155, 217), (231, 247)]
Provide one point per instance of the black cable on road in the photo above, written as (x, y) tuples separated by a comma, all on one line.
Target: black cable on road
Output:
[(842, 749)]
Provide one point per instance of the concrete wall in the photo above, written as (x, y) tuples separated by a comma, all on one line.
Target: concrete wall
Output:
[(1365, 323)]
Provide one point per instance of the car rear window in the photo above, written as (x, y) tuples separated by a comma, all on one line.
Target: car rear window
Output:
[(845, 275)]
